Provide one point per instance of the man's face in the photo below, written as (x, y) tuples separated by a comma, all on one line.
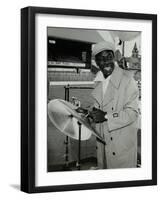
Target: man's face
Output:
[(105, 61)]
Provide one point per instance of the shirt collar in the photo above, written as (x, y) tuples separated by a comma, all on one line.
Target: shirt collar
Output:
[(100, 78)]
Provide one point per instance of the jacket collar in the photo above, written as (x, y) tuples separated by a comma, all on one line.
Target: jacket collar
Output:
[(115, 80), (116, 76)]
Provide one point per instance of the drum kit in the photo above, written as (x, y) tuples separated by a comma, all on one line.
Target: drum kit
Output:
[(71, 121)]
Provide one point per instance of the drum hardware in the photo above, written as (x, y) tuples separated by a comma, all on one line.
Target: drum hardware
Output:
[(79, 147), (73, 124), (76, 102), (67, 139)]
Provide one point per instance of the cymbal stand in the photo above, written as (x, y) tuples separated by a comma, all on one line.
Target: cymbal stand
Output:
[(66, 142), (79, 147)]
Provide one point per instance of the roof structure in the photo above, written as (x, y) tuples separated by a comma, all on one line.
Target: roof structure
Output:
[(82, 35)]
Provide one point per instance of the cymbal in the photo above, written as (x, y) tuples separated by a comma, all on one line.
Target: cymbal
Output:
[(64, 117)]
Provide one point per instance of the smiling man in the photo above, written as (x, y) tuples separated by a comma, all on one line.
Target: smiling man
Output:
[(115, 110)]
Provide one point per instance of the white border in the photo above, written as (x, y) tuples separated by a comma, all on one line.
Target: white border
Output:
[(77, 177)]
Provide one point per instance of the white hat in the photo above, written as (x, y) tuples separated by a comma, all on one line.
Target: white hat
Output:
[(101, 46)]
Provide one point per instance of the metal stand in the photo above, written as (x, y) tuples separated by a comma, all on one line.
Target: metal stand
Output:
[(67, 139), (79, 147), (78, 164)]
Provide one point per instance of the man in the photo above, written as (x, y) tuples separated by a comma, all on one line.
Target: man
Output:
[(116, 111)]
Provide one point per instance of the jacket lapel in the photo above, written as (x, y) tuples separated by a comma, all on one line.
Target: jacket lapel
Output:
[(97, 93), (109, 94), (113, 85), (111, 88)]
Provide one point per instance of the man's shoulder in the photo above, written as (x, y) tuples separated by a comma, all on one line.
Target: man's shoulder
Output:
[(127, 73), (127, 76)]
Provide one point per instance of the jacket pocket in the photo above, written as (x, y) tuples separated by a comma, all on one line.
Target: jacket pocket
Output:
[(125, 140)]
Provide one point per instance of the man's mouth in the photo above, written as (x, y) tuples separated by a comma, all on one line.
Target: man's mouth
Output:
[(107, 70)]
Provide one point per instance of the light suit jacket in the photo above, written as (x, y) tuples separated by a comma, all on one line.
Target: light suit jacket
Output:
[(119, 131)]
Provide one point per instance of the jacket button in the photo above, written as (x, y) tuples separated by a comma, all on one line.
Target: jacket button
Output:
[(114, 153), (112, 108), (111, 138)]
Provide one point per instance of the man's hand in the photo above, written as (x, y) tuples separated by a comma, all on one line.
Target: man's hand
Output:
[(98, 115)]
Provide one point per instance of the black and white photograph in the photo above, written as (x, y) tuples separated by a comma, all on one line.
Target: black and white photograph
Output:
[(93, 99), (89, 91)]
